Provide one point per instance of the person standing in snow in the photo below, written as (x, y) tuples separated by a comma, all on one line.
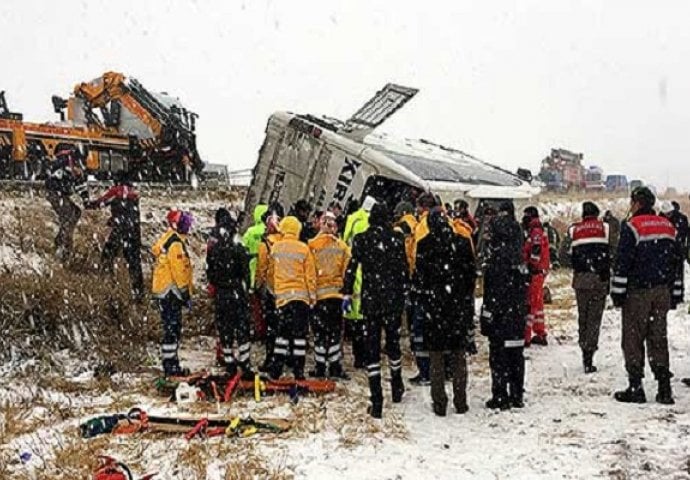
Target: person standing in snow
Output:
[(332, 257), (591, 260), (538, 259), (444, 284), (645, 270), (503, 312), (227, 271), (294, 281), (173, 285), (614, 231), (264, 280), (380, 251), (125, 230), (65, 178)]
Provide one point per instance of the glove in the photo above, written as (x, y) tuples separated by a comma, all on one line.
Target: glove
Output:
[(211, 290), (347, 304)]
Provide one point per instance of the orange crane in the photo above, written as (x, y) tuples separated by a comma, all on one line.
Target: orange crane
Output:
[(116, 122)]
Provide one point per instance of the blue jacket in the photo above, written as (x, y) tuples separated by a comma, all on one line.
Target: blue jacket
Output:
[(647, 255)]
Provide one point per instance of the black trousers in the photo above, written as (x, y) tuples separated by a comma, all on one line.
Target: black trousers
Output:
[(272, 319), (292, 332), (374, 327), (327, 327), (171, 317), (507, 370), (232, 322), (130, 245)]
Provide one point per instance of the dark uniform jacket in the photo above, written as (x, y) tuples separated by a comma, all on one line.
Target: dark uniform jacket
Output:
[(647, 255), (381, 253), (505, 283), (444, 282), (123, 201), (227, 262)]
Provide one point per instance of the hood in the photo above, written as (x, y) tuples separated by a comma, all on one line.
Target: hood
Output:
[(259, 211), (290, 226)]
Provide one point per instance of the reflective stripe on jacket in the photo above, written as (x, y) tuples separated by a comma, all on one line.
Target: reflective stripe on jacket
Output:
[(331, 257), (264, 263)]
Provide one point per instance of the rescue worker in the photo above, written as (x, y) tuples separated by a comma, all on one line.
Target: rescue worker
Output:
[(504, 308), (680, 222), (173, 285), (537, 258), (444, 284), (125, 230), (425, 203), (337, 210), (645, 269), (294, 282), (331, 257), (252, 238), (302, 211), (614, 231), (461, 210), (227, 271), (356, 223), (264, 281), (380, 251), (66, 178), (591, 261)]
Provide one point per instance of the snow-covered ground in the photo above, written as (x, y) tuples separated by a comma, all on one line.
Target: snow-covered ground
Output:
[(570, 427)]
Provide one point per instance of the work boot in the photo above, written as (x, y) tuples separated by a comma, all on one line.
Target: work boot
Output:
[(397, 387), (539, 340), (686, 382), (439, 410), (420, 380), (517, 402), (336, 371), (587, 361), (664, 394), (460, 409), (633, 394), (500, 403), (319, 371), (375, 410)]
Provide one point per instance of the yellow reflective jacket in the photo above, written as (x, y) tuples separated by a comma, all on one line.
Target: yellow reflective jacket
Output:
[(264, 264), (331, 257), (294, 273), (407, 225), (462, 228), (173, 270)]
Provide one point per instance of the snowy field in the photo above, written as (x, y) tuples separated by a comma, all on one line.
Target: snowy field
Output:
[(570, 427)]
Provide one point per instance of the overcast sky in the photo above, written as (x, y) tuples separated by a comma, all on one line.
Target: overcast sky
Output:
[(503, 80)]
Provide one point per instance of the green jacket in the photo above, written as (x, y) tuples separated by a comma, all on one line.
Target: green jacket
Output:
[(252, 238), (356, 223)]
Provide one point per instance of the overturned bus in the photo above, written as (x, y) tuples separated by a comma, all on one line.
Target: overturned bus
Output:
[(324, 160)]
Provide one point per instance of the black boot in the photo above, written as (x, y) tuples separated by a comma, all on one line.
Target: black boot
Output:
[(397, 387), (686, 382), (501, 403), (376, 407), (587, 361), (633, 394), (439, 410), (375, 410), (664, 394), (319, 371), (335, 370)]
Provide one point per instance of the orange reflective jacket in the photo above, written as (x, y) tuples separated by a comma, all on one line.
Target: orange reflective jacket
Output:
[(331, 257)]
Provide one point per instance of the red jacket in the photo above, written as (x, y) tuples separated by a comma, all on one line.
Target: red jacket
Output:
[(535, 252)]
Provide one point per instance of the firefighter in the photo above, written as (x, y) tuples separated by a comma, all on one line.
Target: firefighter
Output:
[(125, 230), (644, 272), (380, 251), (536, 256), (444, 281), (227, 271), (591, 261), (173, 285), (294, 282), (331, 256), (66, 178), (504, 308), (264, 280), (680, 222)]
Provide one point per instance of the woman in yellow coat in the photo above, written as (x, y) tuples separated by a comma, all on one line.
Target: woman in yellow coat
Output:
[(173, 285)]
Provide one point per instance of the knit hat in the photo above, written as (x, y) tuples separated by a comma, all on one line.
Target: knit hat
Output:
[(590, 209), (290, 226), (184, 224)]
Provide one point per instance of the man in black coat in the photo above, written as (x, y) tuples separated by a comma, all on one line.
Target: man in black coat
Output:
[(444, 281), (381, 252), (227, 271), (504, 310)]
